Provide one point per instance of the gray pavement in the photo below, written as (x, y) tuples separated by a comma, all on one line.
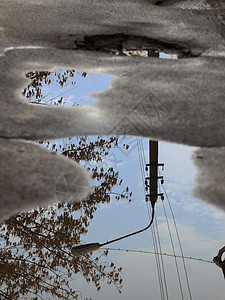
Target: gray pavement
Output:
[(181, 101)]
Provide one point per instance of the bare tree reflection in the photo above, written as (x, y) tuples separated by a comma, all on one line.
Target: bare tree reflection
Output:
[(36, 259)]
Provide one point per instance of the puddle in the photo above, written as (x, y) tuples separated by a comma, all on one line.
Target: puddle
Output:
[(146, 53), (44, 238), (168, 56), (73, 87), (69, 88), (200, 227), (166, 260), (122, 44)]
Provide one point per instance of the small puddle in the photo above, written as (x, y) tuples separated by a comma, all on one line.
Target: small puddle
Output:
[(68, 88), (168, 56), (72, 88)]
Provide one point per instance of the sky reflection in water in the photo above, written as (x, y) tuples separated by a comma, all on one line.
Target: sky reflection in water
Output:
[(200, 226)]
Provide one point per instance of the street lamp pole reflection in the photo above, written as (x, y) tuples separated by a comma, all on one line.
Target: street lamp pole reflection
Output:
[(91, 247), (151, 184)]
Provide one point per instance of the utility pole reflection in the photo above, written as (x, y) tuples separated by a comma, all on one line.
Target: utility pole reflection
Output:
[(151, 182)]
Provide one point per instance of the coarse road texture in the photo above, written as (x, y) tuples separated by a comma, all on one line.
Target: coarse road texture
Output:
[(181, 101)]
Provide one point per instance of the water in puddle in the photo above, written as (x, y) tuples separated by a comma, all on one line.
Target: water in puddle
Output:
[(170, 260), (67, 88)]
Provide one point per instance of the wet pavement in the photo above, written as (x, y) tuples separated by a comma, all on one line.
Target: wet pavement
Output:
[(181, 101)]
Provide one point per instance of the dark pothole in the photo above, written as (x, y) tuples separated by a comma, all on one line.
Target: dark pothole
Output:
[(121, 44)]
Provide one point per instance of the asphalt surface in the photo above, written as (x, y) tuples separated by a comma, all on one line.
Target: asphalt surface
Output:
[(180, 101)]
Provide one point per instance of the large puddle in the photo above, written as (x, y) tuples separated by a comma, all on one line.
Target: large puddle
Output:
[(170, 260)]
